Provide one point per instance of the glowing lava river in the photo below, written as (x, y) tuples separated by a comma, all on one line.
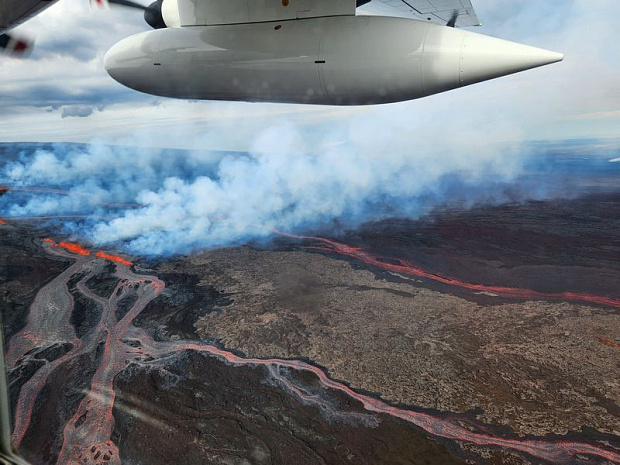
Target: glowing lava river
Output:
[(88, 435), (407, 268)]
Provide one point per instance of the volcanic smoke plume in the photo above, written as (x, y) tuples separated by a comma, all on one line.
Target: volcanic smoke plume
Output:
[(157, 201), (167, 201)]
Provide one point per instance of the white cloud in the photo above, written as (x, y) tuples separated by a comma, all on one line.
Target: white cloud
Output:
[(183, 201), (77, 111), (66, 69)]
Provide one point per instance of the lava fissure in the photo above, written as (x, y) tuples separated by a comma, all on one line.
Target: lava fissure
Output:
[(609, 342), (408, 268), (78, 249)]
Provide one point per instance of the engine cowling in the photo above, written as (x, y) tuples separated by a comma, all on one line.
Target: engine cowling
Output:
[(346, 60)]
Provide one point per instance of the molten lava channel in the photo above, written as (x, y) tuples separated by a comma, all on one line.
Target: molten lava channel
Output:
[(78, 249), (407, 268), (113, 258)]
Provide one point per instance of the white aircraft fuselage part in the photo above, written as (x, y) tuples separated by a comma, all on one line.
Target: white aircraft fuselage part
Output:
[(341, 60)]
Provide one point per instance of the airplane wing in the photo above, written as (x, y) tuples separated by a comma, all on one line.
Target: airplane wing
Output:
[(446, 12), (14, 12), (219, 12)]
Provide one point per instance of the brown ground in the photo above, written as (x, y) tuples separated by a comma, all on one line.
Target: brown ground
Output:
[(535, 366)]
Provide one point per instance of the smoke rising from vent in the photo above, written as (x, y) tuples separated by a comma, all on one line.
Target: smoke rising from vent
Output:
[(161, 201)]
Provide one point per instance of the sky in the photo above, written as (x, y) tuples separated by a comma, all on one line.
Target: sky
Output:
[(62, 92)]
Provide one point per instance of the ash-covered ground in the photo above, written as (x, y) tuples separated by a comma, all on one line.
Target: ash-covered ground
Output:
[(481, 335)]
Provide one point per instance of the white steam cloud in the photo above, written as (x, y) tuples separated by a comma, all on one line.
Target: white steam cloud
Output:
[(155, 201)]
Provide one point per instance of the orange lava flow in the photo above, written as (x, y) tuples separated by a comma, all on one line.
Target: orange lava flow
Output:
[(408, 268), (113, 258), (608, 342), (2, 222), (78, 249), (75, 248)]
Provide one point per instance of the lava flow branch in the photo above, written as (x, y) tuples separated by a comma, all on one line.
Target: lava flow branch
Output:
[(87, 436), (407, 268)]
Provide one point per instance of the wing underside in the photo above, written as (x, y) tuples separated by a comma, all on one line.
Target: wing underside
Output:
[(220, 12), (454, 12), (14, 12)]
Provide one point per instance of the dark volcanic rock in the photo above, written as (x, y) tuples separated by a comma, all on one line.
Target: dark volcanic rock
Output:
[(54, 351), (554, 246), (199, 410), (124, 305), (103, 284), (55, 406), (19, 375), (24, 269), (529, 367), (185, 300), (85, 315)]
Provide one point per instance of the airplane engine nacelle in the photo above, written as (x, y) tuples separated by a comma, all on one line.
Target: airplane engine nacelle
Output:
[(346, 60), (170, 13)]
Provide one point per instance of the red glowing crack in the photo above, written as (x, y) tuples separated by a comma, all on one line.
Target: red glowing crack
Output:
[(609, 342), (75, 248), (78, 249), (408, 268), (113, 258)]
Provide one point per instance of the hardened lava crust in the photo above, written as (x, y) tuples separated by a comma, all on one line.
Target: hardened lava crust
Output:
[(488, 335)]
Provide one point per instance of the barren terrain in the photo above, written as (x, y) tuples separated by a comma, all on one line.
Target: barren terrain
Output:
[(486, 336)]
